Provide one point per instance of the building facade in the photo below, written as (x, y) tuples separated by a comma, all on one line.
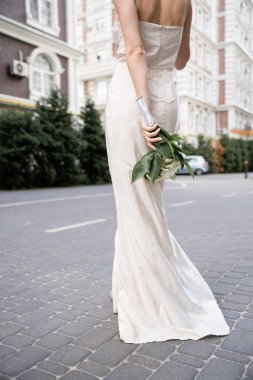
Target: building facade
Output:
[(95, 39), (215, 89), (38, 51)]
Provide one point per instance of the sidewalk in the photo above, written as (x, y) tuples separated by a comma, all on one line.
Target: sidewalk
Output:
[(56, 319)]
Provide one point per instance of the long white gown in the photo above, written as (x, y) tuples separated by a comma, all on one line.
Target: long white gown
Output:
[(157, 291)]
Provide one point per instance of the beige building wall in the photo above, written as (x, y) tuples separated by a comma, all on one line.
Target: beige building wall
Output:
[(215, 89)]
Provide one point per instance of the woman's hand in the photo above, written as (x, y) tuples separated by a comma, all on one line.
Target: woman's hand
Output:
[(150, 133)]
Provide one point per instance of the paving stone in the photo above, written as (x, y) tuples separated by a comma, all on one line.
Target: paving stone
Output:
[(232, 281), (245, 324), (69, 315), (24, 307), (221, 369), (34, 374), (95, 369), (30, 318), (188, 360), (250, 371), (245, 300), (220, 288), (54, 341), (6, 316), (91, 321), (2, 377), (71, 299), (77, 375), (54, 368), (50, 296), (128, 371), (234, 356), (231, 314), (248, 315), (175, 371), (69, 355), (198, 349), (232, 306), (143, 361), (18, 341), (9, 329), (95, 337), (95, 300), (112, 352), (239, 341), (5, 351), (156, 350), (24, 359), (110, 324), (44, 327), (211, 339), (234, 275), (56, 306), (75, 328), (101, 313), (84, 306)]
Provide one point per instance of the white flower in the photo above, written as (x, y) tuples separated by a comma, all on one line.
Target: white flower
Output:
[(169, 168)]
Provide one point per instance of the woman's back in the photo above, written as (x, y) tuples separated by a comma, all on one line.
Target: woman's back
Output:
[(162, 12)]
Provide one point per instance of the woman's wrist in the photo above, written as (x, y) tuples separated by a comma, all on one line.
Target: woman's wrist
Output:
[(146, 100)]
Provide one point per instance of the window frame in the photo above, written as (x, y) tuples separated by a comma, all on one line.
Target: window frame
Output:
[(38, 24), (57, 69)]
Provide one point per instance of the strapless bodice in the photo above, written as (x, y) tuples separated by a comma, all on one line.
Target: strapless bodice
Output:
[(161, 43)]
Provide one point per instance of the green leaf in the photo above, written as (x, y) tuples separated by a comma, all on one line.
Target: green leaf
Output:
[(189, 168), (142, 166), (186, 151), (166, 150), (155, 168)]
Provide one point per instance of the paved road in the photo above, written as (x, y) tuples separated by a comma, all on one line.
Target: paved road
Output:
[(56, 262)]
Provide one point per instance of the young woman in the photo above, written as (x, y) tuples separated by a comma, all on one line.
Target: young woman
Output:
[(156, 290)]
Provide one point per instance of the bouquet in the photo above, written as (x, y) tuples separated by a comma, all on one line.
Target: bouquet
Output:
[(165, 160)]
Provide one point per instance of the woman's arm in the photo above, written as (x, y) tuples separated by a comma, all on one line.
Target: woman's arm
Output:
[(184, 51), (136, 60), (135, 54)]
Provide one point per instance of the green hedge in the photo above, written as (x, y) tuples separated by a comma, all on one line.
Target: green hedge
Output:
[(42, 148), (230, 157)]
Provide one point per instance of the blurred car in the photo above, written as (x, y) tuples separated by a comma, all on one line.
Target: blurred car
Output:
[(198, 164)]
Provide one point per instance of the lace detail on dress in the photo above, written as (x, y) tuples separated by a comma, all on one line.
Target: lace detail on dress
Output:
[(162, 84)]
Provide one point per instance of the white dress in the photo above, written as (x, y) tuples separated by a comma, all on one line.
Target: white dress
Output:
[(157, 291)]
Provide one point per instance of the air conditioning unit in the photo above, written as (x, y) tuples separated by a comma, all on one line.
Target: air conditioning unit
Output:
[(19, 68)]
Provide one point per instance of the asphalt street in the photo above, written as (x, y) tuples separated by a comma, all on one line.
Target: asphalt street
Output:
[(56, 252)]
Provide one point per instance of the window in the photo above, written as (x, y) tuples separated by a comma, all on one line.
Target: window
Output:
[(101, 88), (43, 14), (43, 75), (45, 71)]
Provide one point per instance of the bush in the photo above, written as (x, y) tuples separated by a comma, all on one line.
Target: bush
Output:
[(60, 143), (93, 153), (19, 148), (234, 153), (250, 154), (39, 148)]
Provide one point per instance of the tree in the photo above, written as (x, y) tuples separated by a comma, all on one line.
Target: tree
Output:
[(233, 154), (93, 156), (205, 149), (60, 143), (250, 154), (19, 148), (219, 157)]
